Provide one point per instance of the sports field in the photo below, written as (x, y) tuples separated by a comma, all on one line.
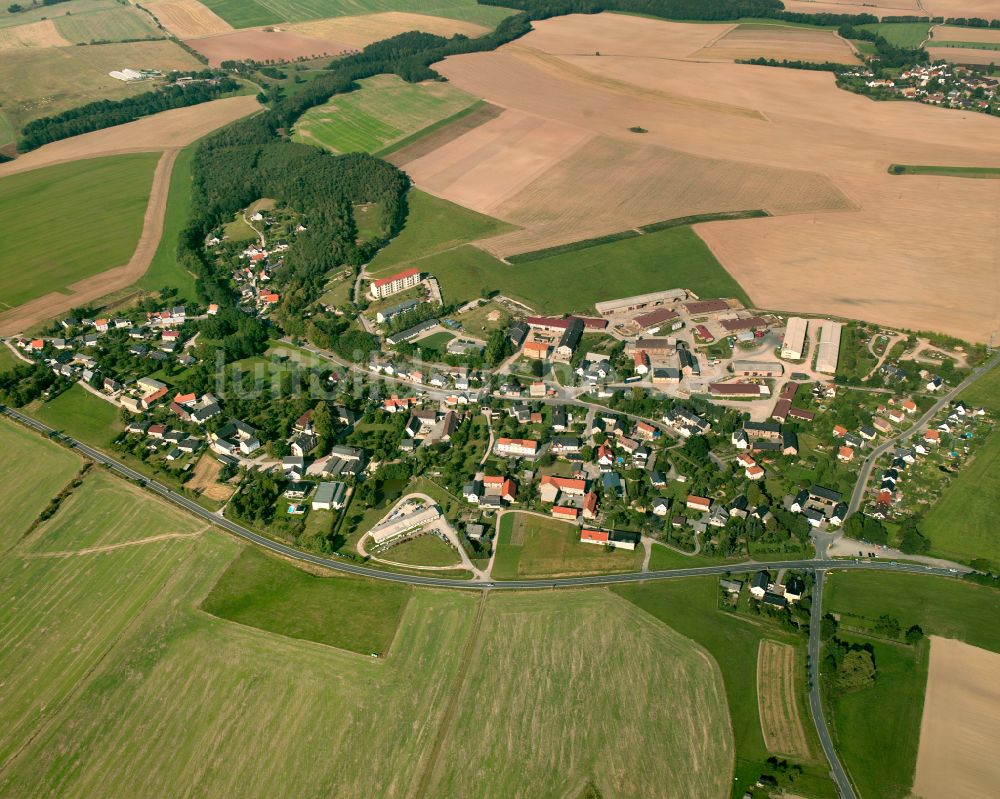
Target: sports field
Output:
[(690, 606), (32, 471), (433, 225), (667, 259), (247, 13), (384, 110), (881, 758), (657, 695), (746, 119), (43, 81), (531, 547), (67, 222), (962, 525)]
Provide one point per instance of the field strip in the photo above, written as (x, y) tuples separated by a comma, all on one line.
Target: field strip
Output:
[(69, 553), (780, 720), (454, 699), (560, 68), (113, 279)]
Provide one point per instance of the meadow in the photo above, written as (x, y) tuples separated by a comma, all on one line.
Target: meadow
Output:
[(164, 269), (881, 758), (690, 606), (962, 523), (53, 12), (67, 222), (901, 34), (530, 547), (670, 258), (946, 171), (40, 82), (433, 225), (985, 392), (107, 512), (542, 668), (116, 24), (33, 471), (80, 414), (383, 111), (247, 13), (259, 590)]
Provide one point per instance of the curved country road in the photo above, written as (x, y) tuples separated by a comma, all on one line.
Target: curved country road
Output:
[(102, 284), (437, 582)]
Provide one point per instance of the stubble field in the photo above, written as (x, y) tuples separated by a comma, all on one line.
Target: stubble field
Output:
[(954, 33), (780, 719), (761, 118), (263, 45), (356, 32), (187, 19), (779, 42), (879, 8), (34, 34), (960, 731)]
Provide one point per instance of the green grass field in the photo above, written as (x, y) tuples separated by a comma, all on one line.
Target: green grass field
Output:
[(690, 606), (247, 13), (8, 19), (7, 132), (962, 524), (383, 111), (106, 511), (67, 222), (81, 415), (985, 392), (530, 547), (435, 341), (164, 270), (8, 360), (546, 669), (118, 24), (976, 172), (432, 226), (881, 757), (424, 550), (33, 470), (901, 34), (667, 259), (41, 81), (261, 591)]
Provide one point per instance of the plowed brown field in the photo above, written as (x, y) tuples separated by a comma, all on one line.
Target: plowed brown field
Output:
[(356, 32), (984, 9), (263, 45), (880, 8), (187, 19), (953, 33), (960, 732), (878, 260), (964, 55)]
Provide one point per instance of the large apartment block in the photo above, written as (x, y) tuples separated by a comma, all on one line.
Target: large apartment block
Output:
[(387, 286)]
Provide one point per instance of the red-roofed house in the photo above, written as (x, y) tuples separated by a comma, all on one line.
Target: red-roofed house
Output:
[(909, 406), (186, 399), (516, 447), (839, 431), (590, 505), (932, 437), (269, 297), (151, 399), (594, 536), (698, 503), (754, 473), (536, 349), (401, 281), (641, 362), (551, 487), (569, 514)]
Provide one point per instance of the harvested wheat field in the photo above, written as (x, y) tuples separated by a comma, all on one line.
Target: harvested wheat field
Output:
[(984, 9), (187, 19), (878, 8), (263, 45), (175, 128), (778, 42), (964, 55), (357, 32), (960, 731), (780, 720), (204, 481), (868, 254), (35, 34), (953, 33)]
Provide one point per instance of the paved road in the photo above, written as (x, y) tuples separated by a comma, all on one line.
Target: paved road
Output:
[(815, 700), (866, 468), (352, 568)]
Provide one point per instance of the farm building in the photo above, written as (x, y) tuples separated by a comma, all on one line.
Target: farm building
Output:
[(640, 302), (794, 344), (651, 322), (828, 347), (758, 368), (738, 390), (329, 496), (706, 306), (614, 538), (748, 323), (538, 350)]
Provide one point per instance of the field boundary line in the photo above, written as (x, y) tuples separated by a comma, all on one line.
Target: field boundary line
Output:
[(454, 699), (69, 553)]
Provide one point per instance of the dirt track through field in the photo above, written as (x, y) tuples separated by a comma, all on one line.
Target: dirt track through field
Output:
[(72, 553), (960, 731), (93, 288), (780, 720)]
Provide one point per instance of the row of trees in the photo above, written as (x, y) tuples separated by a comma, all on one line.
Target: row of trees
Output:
[(107, 113)]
